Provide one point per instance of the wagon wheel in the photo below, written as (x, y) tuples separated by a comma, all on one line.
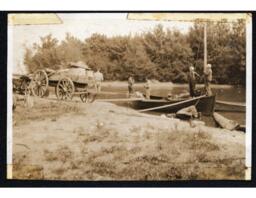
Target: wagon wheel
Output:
[(65, 89), (40, 83), (87, 97)]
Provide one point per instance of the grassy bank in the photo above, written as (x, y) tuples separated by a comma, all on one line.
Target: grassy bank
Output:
[(102, 141)]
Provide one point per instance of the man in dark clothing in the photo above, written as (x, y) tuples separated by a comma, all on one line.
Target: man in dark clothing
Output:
[(192, 81)]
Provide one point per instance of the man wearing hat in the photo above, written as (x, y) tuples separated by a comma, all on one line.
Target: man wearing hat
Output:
[(192, 81), (208, 79)]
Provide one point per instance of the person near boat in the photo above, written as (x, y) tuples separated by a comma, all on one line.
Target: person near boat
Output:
[(130, 85), (98, 77), (147, 88), (192, 81), (188, 113), (208, 79)]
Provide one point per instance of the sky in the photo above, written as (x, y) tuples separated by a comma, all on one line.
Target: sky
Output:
[(81, 26)]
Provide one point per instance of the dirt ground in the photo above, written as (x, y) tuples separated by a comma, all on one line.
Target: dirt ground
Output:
[(101, 141)]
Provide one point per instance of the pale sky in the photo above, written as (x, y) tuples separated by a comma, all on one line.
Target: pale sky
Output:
[(81, 26)]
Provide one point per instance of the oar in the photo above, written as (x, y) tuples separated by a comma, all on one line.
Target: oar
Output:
[(171, 105)]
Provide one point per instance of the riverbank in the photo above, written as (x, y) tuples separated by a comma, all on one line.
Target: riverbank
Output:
[(162, 84), (103, 141)]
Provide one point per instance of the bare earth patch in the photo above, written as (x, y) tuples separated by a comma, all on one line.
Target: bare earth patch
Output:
[(102, 141)]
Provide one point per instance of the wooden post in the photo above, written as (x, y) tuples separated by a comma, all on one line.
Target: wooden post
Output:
[(205, 45)]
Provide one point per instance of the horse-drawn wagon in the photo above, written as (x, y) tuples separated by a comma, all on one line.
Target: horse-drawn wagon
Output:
[(75, 79)]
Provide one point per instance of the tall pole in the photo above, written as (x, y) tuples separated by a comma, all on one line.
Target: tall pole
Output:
[(205, 45)]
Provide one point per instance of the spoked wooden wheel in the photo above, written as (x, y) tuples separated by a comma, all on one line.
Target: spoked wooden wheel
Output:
[(65, 89), (87, 97), (40, 83)]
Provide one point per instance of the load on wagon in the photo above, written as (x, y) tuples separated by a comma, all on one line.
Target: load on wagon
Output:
[(76, 79)]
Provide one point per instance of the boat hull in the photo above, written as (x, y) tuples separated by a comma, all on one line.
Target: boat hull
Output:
[(205, 105), (229, 107)]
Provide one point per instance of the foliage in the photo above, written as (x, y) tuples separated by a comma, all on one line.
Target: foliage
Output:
[(161, 54), (226, 50), (43, 54)]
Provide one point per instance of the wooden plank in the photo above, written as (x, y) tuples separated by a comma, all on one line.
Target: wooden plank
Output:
[(229, 106), (230, 103), (119, 100), (224, 122)]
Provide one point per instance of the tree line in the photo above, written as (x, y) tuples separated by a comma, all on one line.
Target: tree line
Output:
[(161, 54)]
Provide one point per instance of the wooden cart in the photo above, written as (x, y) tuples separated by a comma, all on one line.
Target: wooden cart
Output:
[(76, 79)]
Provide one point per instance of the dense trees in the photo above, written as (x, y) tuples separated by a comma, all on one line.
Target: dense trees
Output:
[(43, 54), (162, 54)]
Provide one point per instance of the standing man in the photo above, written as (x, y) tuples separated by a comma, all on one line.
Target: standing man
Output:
[(130, 85), (208, 79), (192, 81), (147, 88), (98, 77)]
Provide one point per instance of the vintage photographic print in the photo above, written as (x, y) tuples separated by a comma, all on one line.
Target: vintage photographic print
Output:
[(129, 96)]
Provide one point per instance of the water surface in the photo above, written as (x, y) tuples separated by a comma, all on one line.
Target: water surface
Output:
[(222, 92)]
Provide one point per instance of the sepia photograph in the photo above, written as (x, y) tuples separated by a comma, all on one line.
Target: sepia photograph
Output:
[(129, 96)]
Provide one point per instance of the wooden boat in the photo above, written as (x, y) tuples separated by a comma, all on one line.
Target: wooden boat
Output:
[(204, 104), (229, 106)]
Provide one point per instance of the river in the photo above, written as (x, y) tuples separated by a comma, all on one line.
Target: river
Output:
[(223, 92)]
